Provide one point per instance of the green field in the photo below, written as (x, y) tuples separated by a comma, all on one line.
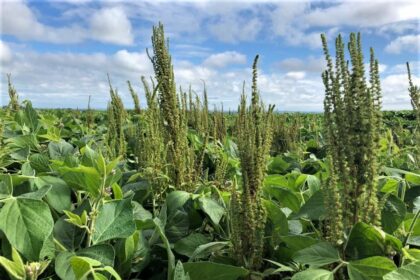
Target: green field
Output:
[(177, 191)]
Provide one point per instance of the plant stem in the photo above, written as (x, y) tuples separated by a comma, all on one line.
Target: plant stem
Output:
[(410, 231)]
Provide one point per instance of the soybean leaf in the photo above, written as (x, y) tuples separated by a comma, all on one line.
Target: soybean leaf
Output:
[(115, 220), (214, 271), (187, 245), (277, 217), (103, 253), (317, 255), (406, 272), (313, 209), (213, 209), (393, 214), (367, 241), (177, 199), (59, 197), (59, 150), (205, 250), (373, 268), (286, 197), (314, 274), (82, 178), (27, 223)]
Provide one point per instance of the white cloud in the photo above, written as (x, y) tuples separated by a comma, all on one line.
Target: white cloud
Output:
[(234, 29), (296, 75), (409, 43), (67, 79), (220, 60), (134, 61), (5, 52), (19, 20), (310, 64), (109, 25), (112, 25), (395, 91), (362, 13)]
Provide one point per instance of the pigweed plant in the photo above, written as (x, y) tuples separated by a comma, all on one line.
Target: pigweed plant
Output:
[(116, 120), (135, 98), (179, 155), (352, 127), (14, 98), (248, 216)]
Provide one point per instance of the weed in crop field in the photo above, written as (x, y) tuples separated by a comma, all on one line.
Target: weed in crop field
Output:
[(178, 191)]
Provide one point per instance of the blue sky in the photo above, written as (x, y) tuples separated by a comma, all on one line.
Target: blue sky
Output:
[(60, 51)]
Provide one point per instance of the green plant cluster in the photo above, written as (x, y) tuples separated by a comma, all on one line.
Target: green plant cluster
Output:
[(179, 191), (352, 112)]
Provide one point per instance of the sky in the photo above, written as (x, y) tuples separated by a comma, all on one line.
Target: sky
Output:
[(59, 52)]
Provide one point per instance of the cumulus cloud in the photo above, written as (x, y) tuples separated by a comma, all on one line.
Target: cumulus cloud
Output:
[(220, 60), (310, 64), (362, 13), (410, 43), (19, 20), (395, 92), (109, 25), (235, 29), (112, 25), (296, 75), (5, 52), (67, 79)]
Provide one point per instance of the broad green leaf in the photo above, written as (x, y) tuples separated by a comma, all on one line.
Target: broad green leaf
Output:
[(27, 223), (213, 209), (30, 117), (104, 253), (6, 186), (314, 274), (286, 197), (39, 194), (99, 276), (278, 166), (82, 178), (276, 180), (367, 241), (39, 162), (313, 209), (187, 245), (125, 250), (203, 251), (115, 220), (277, 218), (59, 197), (373, 268), (83, 266), (142, 217), (160, 225), (176, 199), (112, 271), (59, 150), (393, 214), (317, 255), (214, 271), (406, 272)]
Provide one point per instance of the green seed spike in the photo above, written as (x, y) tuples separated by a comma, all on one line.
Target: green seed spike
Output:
[(352, 121), (135, 97), (14, 98), (254, 136)]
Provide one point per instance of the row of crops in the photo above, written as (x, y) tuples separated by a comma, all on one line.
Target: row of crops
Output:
[(176, 191)]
